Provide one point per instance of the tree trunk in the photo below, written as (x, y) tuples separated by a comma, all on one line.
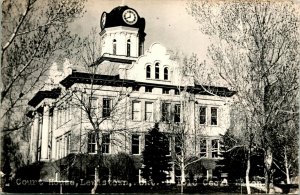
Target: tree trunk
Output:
[(268, 163), (93, 191), (248, 171), (286, 164), (182, 179)]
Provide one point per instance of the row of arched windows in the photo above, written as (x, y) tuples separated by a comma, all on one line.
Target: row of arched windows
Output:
[(156, 72), (115, 47)]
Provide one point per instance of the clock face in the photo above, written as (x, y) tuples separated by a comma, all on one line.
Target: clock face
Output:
[(130, 16), (103, 20)]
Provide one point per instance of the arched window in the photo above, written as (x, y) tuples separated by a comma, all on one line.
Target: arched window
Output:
[(166, 73), (148, 72), (128, 47), (114, 47), (157, 71)]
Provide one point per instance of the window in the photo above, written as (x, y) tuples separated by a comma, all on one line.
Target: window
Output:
[(114, 47), (128, 47), (177, 92), (93, 101), (148, 72), (166, 112), (214, 148), (177, 113), (157, 71), (202, 118), (135, 144), (107, 106), (136, 111), (149, 111), (148, 89), (92, 143), (105, 143), (166, 73), (166, 91), (203, 148), (214, 116)]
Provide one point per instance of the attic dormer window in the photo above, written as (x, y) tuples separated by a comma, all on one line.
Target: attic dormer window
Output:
[(157, 71), (148, 72), (114, 47), (128, 47), (166, 73)]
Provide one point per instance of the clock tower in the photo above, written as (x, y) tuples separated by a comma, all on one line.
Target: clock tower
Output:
[(122, 33)]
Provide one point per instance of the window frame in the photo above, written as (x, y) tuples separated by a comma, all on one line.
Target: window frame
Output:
[(148, 72), (147, 111), (177, 115), (166, 73), (128, 48), (202, 116), (215, 150), (214, 117), (136, 112), (135, 145), (156, 70), (105, 146), (92, 143), (166, 112), (114, 44), (106, 111)]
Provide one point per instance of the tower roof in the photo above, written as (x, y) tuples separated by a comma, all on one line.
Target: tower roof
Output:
[(116, 18)]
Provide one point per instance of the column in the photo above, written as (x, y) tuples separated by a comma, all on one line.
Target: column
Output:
[(45, 133), (34, 137)]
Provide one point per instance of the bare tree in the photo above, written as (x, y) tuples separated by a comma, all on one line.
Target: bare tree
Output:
[(100, 118), (257, 52), (34, 33)]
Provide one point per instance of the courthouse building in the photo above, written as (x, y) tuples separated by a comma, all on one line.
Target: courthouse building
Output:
[(131, 90)]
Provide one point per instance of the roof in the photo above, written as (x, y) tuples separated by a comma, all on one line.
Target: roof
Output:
[(39, 96), (114, 80)]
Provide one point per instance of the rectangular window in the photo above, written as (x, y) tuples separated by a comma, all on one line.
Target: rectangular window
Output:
[(128, 49), (93, 101), (136, 111), (107, 107), (214, 116), (203, 148), (135, 144), (166, 112), (165, 91), (105, 143), (177, 113), (202, 115), (149, 111), (92, 144), (177, 92), (214, 148), (148, 89)]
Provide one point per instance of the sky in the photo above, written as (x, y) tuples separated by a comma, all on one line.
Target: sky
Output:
[(167, 22)]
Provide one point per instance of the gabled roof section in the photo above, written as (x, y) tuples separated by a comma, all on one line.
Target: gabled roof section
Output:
[(96, 79), (41, 95)]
